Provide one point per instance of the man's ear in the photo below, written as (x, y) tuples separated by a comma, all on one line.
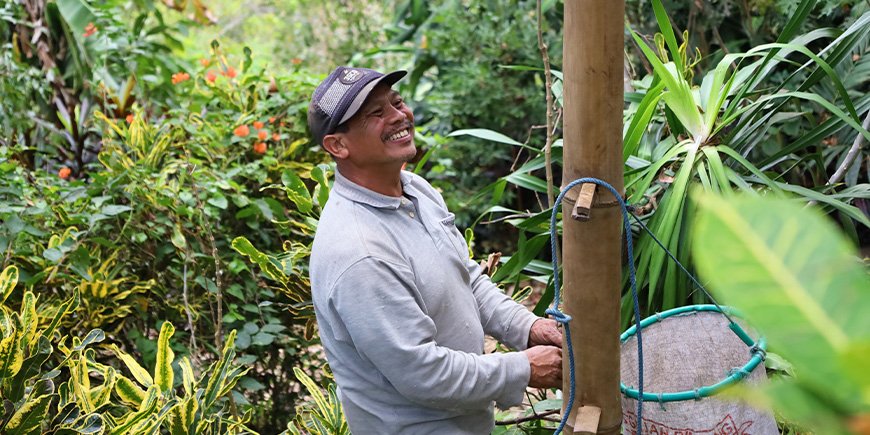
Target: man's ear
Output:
[(335, 144)]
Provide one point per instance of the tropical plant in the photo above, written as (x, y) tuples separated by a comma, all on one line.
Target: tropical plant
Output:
[(154, 402), (89, 57), (798, 280), (679, 135), (714, 127), (27, 385), (57, 392), (145, 234), (323, 417)]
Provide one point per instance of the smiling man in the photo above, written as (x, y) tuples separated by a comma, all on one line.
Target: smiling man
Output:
[(401, 307)]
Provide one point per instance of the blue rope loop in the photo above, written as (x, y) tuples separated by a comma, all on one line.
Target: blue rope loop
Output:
[(558, 316), (563, 318)]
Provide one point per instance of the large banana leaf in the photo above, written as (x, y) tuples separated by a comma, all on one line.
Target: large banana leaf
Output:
[(798, 280)]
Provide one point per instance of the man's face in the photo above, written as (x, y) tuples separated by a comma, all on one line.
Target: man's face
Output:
[(382, 132)]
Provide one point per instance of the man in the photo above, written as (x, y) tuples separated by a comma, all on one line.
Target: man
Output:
[(401, 307)]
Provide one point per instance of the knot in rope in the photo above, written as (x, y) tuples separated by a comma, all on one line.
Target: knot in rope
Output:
[(558, 316)]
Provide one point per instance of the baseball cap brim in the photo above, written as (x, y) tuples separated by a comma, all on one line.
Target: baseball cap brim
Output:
[(360, 98)]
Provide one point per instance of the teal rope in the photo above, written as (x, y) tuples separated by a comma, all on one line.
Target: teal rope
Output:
[(563, 318)]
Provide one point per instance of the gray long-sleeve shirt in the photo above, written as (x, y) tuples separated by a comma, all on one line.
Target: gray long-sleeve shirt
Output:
[(403, 310)]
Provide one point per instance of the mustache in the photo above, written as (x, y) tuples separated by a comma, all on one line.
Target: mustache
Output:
[(407, 125)]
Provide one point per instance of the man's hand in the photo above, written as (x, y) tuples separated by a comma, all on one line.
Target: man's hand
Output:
[(545, 332), (546, 366)]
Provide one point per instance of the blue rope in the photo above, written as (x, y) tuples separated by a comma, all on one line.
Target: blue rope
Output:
[(563, 318)]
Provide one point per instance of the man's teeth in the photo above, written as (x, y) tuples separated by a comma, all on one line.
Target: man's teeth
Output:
[(399, 135)]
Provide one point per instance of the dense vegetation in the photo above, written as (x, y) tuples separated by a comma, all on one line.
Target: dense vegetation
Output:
[(159, 192)]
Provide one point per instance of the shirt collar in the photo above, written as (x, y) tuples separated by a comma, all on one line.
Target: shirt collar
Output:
[(357, 193)]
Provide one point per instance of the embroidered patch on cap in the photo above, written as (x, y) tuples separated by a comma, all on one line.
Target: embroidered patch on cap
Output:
[(351, 76)]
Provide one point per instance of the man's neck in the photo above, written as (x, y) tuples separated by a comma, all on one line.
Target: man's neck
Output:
[(386, 181)]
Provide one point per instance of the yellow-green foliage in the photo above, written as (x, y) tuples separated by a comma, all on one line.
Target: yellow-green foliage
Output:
[(72, 391), (107, 301), (323, 417)]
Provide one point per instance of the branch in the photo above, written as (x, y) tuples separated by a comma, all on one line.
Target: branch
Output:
[(541, 416), (549, 83), (851, 155)]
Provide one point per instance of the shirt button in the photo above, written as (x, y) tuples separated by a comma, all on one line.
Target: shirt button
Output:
[(411, 213)]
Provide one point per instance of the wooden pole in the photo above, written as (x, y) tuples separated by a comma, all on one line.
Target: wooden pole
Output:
[(593, 67)]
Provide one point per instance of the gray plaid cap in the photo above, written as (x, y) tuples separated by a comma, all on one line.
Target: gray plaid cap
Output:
[(341, 95)]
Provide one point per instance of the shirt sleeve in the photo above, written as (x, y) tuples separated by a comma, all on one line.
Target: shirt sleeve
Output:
[(501, 316), (385, 319)]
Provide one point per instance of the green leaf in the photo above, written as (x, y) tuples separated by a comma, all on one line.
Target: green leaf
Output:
[(52, 254), (664, 22), (800, 405), (163, 375), (262, 338), (318, 173), (139, 373), (67, 306), (527, 250), (28, 418), (527, 181), (640, 120), (128, 391), (77, 14), (218, 374), (219, 201), (30, 368), (489, 135), (774, 362), (854, 361), (178, 238), (297, 191), (94, 336), (243, 246), (8, 280), (112, 210), (146, 409), (679, 97), (793, 274)]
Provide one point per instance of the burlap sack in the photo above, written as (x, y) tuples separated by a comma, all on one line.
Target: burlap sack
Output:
[(682, 353)]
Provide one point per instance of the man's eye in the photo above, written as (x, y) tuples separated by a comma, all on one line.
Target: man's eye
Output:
[(378, 112)]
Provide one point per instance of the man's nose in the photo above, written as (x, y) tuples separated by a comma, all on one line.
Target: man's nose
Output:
[(395, 115)]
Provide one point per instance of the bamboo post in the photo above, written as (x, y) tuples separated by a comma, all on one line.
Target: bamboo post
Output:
[(593, 102)]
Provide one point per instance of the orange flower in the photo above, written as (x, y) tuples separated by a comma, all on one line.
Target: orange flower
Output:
[(90, 29), (242, 131), (262, 134), (64, 172), (210, 77), (204, 62), (276, 137), (230, 72), (271, 119), (180, 77), (296, 61), (260, 148), (258, 125), (129, 118)]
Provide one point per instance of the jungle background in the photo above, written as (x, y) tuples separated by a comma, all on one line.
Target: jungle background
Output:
[(159, 191)]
